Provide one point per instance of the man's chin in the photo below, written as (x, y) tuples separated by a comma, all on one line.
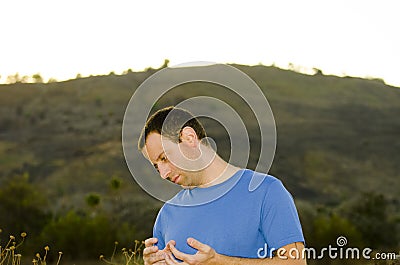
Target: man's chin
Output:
[(187, 187)]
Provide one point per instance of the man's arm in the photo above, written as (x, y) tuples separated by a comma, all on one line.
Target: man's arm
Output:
[(291, 254)]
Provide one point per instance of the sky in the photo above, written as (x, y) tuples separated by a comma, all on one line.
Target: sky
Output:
[(61, 38)]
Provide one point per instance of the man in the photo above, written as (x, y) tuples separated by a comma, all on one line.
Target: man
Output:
[(223, 214)]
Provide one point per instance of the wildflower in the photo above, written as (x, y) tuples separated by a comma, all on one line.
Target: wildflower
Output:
[(46, 248), (12, 237), (59, 257), (38, 255), (12, 248), (23, 234), (101, 257)]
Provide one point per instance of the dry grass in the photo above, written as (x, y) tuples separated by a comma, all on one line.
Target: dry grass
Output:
[(9, 254), (131, 256)]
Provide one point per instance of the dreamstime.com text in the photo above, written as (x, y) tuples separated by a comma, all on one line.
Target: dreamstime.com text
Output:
[(332, 252)]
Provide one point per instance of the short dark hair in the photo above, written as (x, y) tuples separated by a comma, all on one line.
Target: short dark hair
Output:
[(171, 127)]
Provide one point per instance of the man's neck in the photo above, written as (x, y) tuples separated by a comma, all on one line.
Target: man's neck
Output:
[(217, 172)]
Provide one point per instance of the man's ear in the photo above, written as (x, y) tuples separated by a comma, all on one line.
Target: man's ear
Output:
[(144, 152), (189, 136)]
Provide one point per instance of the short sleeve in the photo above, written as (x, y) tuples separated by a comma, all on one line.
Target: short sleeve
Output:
[(158, 231), (280, 222)]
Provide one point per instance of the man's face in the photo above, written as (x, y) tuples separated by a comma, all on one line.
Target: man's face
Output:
[(175, 162)]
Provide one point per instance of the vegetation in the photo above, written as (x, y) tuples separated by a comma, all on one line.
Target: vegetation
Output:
[(9, 252), (10, 255), (131, 256), (63, 177)]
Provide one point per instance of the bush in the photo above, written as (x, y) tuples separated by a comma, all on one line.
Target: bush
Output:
[(22, 207), (80, 236), (369, 213)]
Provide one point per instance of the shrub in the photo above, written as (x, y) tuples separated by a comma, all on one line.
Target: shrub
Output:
[(80, 236), (22, 207)]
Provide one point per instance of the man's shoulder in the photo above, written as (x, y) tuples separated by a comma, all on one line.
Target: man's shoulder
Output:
[(256, 180)]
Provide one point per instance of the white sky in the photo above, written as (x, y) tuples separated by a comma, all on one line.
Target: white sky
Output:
[(60, 38)]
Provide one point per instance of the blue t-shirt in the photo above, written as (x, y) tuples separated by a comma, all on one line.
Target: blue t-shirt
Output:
[(238, 217)]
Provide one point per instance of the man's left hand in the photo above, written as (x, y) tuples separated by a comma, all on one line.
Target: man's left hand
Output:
[(205, 254)]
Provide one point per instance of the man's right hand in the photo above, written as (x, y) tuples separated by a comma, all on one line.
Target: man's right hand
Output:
[(151, 254)]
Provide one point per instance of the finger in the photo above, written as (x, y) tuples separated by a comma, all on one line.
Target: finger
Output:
[(159, 256), (198, 245), (169, 243), (150, 250), (150, 241), (170, 260), (180, 255)]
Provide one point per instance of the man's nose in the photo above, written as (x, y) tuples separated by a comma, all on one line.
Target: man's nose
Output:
[(164, 171)]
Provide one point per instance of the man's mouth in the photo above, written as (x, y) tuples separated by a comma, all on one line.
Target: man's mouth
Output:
[(175, 179)]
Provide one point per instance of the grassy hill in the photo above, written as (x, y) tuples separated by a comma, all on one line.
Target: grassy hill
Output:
[(337, 137)]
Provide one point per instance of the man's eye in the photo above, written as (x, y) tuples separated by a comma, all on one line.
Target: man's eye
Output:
[(156, 166)]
